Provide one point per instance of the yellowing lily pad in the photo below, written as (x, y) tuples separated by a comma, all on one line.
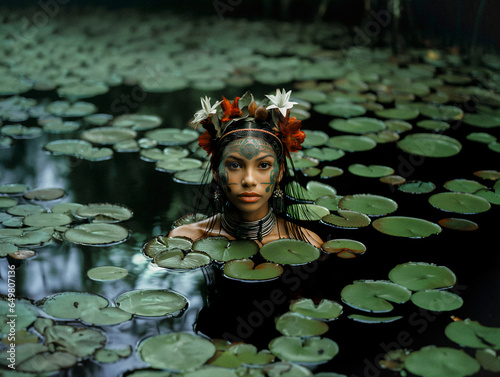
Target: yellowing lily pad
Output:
[(458, 224), (459, 202), (344, 248), (402, 226)]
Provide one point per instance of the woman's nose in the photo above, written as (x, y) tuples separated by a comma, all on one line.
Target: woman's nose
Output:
[(249, 178)]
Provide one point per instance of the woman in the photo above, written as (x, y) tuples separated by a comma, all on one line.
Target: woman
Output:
[(248, 147)]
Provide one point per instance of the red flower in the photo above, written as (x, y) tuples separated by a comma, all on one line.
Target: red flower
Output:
[(231, 110), (291, 135), (206, 142)]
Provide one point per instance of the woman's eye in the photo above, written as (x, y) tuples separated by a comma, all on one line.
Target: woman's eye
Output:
[(265, 165), (233, 165)]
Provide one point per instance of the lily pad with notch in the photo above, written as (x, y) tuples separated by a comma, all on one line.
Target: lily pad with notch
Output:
[(295, 324), (108, 135), (175, 165), (374, 295), (330, 202), (403, 226), (107, 316), (173, 136), (152, 302), (358, 125), (177, 259), (340, 109), (246, 270), (137, 122), (47, 219), (325, 310), (104, 213), (222, 249), (289, 252), (370, 171), (165, 243), (469, 333), (417, 187), (44, 194), (70, 305), (437, 300), (97, 234), (459, 202), (107, 273), (458, 224), (418, 276), (347, 219), (176, 351), (430, 145), (464, 185), (325, 154), (312, 350), (69, 147), (195, 176), (23, 237), (351, 143), (314, 138), (344, 248), (373, 319), (369, 204)]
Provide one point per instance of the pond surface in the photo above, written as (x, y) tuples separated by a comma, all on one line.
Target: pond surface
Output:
[(218, 306)]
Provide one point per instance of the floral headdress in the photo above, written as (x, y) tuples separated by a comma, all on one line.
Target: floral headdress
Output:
[(217, 117)]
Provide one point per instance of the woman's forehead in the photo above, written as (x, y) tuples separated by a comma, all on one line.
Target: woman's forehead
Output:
[(248, 148)]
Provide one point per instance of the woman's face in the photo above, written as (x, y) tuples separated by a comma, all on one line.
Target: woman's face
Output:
[(248, 173)]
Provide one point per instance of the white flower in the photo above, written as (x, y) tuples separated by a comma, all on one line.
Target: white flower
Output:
[(281, 101), (206, 111)]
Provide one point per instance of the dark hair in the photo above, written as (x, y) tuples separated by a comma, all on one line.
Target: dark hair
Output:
[(243, 128)]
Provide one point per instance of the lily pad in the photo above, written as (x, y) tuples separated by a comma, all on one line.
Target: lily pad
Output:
[(351, 143), (374, 295), (104, 213), (347, 219), (325, 154), (402, 226), (108, 135), (482, 120), (430, 145), (433, 125), (176, 165), (176, 351), (371, 171), (21, 237), (344, 248), (68, 147), (324, 310), (44, 194), (314, 138), (6, 202), (193, 177), (13, 188), (18, 131), (104, 316), (289, 252), (418, 276), (417, 187), (69, 305), (98, 234), (47, 362), (437, 300), (330, 172), (26, 210), (340, 109), (173, 136), (318, 189), (434, 361), (468, 333), (369, 204), (137, 122), (359, 125), (47, 219), (372, 319), (329, 202), (458, 224), (245, 269), (151, 302), (163, 243), (464, 185), (459, 202), (25, 312), (107, 273), (294, 324), (223, 250), (311, 350), (176, 259), (398, 113)]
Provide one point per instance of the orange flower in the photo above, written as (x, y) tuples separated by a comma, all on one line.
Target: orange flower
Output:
[(205, 141), (291, 135), (231, 110)]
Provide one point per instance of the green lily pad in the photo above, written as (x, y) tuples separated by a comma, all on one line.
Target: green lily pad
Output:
[(137, 122), (329, 202), (18, 131), (80, 342), (488, 359), (82, 90), (433, 125), (6, 202), (319, 189), (21, 237), (311, 172), (398, 113), (374, 295), (311, 95), (311, 350), (209, 371), (104, 316), (176, 259), (48, 362), (26, 210), (417, 187), (193, 177), (289, 252), (344, 248), (71, 109), (325, 154), (468, 333), (371, 205), (173, 136), (437, 300), (96, 154), (434, 361), (107, 273), (69, 305), (151, 302), (47, 219), (351, 143), (68, 147), (304, 162), (25, 312), (371, 171), (223, 250), (418, 276), (324, 310), (398, 125), (163, 243), (481, 137), (108, 135), (464, 185), (176, 351), (105, 355), (44, 194), (402, 226), (371, 319), (67, 208), (13, 188), (104, 213), (97, 234), (359, 125), (441, 112), (294, 324), (430, 145), (491, 196), (347, 219), (314, 138), (340, 109), (459, 202), (245, 269), (248, 355), (176, 165), (482, 120), (330, 172)]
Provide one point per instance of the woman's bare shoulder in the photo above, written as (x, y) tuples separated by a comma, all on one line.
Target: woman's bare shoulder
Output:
[(193, 231)]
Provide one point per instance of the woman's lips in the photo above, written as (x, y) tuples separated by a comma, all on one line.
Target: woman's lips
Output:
[(249, 197)]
